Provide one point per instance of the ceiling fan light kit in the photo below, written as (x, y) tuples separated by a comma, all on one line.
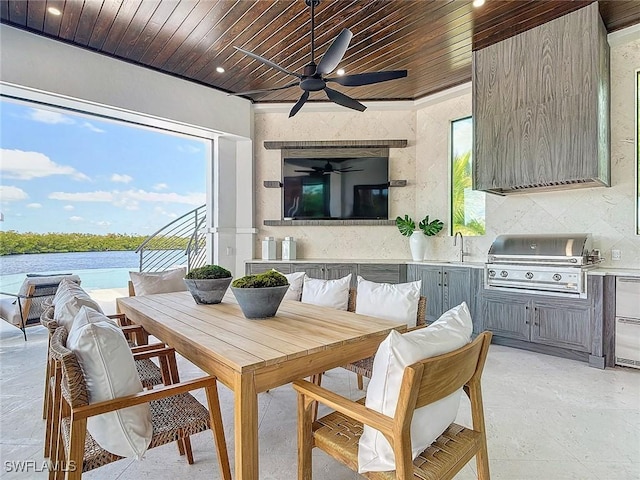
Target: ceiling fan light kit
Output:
[(313, 77)]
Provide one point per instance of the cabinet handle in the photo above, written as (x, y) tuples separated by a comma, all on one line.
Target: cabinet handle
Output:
[(439, 279), (446, 278), (526, 322)]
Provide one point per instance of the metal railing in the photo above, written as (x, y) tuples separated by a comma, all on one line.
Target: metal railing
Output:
[(181, 242)]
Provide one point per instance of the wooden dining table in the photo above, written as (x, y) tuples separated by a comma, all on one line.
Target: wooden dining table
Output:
[(252, 356)]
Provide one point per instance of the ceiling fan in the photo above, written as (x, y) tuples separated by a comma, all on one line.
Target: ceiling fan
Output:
[(313, 77), (328, 168)]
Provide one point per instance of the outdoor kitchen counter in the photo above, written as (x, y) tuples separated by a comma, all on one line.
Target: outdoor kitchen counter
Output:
[(618, 272), (373, 261)]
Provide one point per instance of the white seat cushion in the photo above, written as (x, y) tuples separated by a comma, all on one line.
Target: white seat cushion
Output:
[(450, 332), (296, 280), (397, 301), (110, 372), (327, 293), (69, 298), (148, 283)]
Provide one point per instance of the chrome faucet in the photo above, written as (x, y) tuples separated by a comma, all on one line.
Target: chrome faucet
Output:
[(462, 252)]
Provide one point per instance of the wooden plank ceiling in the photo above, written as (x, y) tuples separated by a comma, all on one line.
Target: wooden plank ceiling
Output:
[(432, 39)]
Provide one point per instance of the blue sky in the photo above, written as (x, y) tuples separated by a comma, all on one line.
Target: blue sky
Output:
[(64, 172)]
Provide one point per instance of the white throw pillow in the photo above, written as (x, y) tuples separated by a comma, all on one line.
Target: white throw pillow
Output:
[(295, 280), (69, 298), (148, 283), (327, 293), (110, 372), (450, 332), (397, 301)]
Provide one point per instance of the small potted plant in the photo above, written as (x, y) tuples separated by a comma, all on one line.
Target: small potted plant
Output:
[(417, 240), (260, 295), (208, 284)]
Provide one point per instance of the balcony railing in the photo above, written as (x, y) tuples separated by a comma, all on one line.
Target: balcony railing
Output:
[(181, 242)]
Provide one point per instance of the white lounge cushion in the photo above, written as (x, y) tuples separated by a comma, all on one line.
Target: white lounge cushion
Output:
[(69, 298), (327, 293), (110, 372), (9, 308), (148, 283), (296, 280), (450, 332), (397, 301)]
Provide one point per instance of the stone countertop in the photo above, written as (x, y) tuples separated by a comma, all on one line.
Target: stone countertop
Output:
[(374, 260), (602, 270), (617, 271)]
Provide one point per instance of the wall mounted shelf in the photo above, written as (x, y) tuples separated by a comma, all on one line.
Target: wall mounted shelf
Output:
[(278, 145), (325, 223)]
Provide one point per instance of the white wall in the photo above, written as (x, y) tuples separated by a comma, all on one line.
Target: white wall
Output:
[(37, 68)]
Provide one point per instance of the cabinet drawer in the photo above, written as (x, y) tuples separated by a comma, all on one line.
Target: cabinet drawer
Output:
[(628, 297)]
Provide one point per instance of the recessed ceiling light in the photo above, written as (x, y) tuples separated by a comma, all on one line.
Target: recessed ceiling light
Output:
[(54, 11), (478, 3), (219, 69), (340, 71)]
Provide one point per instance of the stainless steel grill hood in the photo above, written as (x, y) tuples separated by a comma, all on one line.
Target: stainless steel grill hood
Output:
[(556, 249)]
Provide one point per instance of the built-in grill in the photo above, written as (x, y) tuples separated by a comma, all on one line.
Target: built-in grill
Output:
[(545, 264)]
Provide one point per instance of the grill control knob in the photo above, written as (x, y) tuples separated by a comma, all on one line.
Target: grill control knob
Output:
[(504, 273), (492, 273), (557, 277), (529, 275)]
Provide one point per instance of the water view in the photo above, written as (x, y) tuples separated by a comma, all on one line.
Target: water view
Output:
[(95, 269)]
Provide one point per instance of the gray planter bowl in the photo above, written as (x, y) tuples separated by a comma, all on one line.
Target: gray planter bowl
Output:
[(208, 291), (259, 302)]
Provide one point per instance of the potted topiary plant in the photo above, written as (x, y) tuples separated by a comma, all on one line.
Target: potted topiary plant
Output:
[(417, 242), (260, 295), (208, 284)]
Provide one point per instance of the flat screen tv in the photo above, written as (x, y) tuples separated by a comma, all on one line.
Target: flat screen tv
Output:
[(335, 188)]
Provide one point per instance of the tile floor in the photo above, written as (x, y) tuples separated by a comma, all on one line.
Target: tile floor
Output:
[(547, 418)]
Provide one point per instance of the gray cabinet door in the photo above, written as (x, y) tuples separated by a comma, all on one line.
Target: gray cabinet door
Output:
[(457, 283), (475, 292), (383, 272), (507, 317), (562, 325), (253, 268), (339, 270), (431, 277), (313, 270)]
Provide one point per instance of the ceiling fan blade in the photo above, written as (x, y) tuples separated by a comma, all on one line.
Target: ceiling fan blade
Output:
[(359, 79), (341, 99), (251, 92), (267, 62), (299, 103), (334, 53)]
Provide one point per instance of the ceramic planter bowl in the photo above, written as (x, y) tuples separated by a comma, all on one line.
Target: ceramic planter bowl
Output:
[(259, 302), (208, 291)]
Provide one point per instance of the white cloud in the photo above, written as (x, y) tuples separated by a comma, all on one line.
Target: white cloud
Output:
[(93, 128), (103, 223), (76, 219), (20, 165), (131, 198), (12, 194), (116, 177), (69, 207), (34, 205), (50, 117), (160, 186)]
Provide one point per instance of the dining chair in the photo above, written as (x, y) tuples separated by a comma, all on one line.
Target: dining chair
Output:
[(175, 414), (150, 374), (423, 383), (364, 367)]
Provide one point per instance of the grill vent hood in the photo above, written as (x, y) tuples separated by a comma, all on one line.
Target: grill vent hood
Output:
[(541, 108)]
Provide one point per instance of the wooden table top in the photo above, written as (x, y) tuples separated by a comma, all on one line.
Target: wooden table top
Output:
[(221, 331)]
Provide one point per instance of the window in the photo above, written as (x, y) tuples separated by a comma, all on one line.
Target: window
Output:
[(467, 205)]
